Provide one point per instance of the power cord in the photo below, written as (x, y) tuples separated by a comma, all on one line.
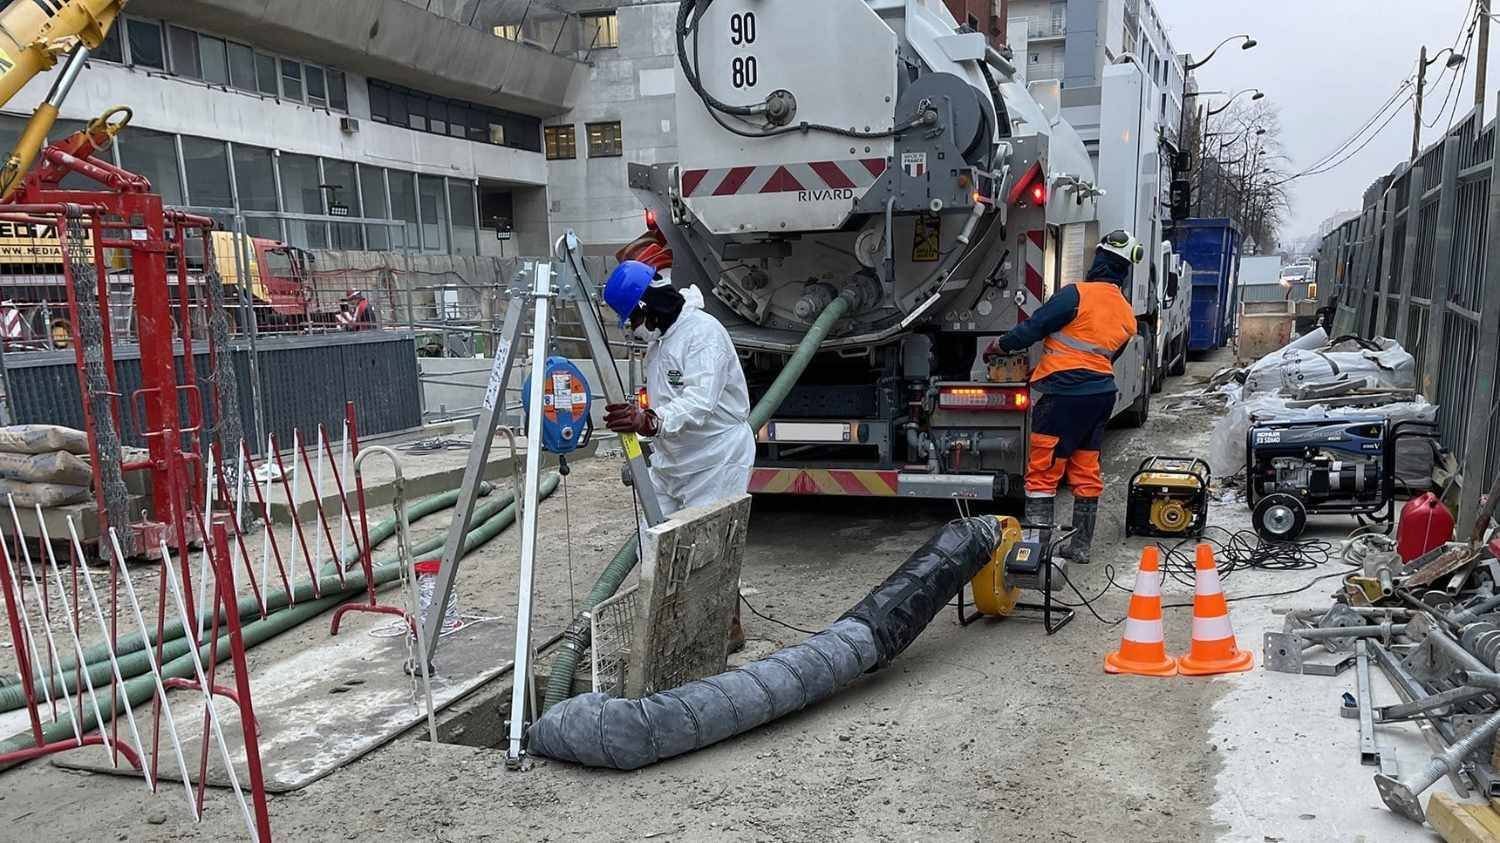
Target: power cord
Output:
[(759, 614)]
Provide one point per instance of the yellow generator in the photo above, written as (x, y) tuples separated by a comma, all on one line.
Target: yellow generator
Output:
[(1168, 498)]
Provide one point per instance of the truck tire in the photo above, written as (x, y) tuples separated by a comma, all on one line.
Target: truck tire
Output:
[(1137, 414)]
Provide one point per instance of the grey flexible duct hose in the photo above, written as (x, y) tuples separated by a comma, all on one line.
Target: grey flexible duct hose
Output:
[(598, 731), (143, 688), (576, 638)]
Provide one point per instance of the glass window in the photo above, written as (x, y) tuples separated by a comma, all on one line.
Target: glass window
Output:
[(434, 201), (404, 207), (184, 44), (300, 194), (256, 179), (263, 227), (510, 32), (207, 173), (458, 120), (338, 90), (437, 117), (265, 75), (242, 67), (600, 31), (465, 226), (153, 155), (497, 134), (604, 140), (111, 49), (372, 182), (317, 86), (416, 115), (215, 59), (562, 143), (380, 104), (340, 176), (145, 43), (291, 79)]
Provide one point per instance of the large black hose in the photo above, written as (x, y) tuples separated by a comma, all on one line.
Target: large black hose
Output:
[(599, 731)]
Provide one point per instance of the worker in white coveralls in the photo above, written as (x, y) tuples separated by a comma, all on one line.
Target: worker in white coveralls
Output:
[(697, 411)]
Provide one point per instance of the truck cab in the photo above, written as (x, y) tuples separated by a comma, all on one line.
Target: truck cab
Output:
[(280, 275)]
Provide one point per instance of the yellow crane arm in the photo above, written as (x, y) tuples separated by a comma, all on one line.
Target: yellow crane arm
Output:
[(33, 34)]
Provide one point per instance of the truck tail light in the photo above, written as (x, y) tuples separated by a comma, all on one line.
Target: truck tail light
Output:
[(984, 399), (1031, 188)]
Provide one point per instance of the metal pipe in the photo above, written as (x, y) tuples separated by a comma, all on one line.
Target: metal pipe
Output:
[(1384, 630), (1480, 678), (1401, 795)]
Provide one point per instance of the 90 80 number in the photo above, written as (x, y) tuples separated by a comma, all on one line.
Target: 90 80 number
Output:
[(744, 71)]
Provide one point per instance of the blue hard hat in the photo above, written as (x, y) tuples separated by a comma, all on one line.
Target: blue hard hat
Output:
[(626, 285)]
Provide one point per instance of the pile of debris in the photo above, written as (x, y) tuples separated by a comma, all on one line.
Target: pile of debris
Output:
[(1432, 626), (1315, 378)]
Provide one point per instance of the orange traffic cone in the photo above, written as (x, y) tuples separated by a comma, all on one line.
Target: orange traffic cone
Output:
[(1214, 649), (1143, 651)]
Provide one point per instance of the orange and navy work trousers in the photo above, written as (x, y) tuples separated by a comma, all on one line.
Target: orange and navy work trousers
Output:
[(1066, 434)]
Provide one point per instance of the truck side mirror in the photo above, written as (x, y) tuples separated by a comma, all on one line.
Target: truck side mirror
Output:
[(1172, 285)]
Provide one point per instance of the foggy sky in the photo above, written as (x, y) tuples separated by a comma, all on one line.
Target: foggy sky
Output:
[(1329, 65)]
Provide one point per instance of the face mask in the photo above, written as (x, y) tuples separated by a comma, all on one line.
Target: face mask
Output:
[(645, 335)]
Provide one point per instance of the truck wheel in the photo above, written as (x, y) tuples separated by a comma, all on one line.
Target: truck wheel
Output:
[(1179, 358), (1140, 411)]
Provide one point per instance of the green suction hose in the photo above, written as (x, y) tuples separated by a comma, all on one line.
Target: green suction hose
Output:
[(141, 688), (98, 654), (576, 639)]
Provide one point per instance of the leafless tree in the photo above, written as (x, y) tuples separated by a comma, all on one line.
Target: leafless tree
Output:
[(1242, 171)]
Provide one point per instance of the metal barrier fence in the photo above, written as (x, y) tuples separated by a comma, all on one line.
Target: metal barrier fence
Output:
[(1418, 265)]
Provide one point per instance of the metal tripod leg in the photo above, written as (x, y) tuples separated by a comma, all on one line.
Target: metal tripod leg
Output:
[(479, 456), (522, 685), (575, 285)]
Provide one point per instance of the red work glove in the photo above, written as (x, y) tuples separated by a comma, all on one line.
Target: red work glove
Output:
[(631, 418)]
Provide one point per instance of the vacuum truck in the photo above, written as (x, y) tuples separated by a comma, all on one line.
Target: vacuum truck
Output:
[(868, 178)]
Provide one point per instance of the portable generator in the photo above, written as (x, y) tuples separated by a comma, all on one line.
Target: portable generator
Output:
[(1323, 466), (1168, 498)]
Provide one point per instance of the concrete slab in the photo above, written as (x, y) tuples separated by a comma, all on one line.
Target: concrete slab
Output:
[(324, 707)]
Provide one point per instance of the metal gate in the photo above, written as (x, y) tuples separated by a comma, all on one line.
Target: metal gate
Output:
[(1418, 265)]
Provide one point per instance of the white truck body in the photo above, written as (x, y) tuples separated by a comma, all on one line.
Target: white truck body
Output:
[(904, 169)]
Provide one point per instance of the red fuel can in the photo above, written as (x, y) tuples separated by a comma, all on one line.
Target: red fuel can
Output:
[(1425, 524)]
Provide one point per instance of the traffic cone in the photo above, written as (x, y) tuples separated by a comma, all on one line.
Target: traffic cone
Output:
[(1143, 651), (1214, 649)]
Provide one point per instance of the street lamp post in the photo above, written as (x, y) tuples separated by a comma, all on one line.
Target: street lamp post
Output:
[(1249, 44), (1423, 62)]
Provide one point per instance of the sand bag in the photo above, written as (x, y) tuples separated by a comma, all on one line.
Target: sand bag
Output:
[(27, 495), (42, 439), (57, 467)]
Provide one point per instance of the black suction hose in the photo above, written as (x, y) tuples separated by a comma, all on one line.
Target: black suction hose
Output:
[(598, 731)]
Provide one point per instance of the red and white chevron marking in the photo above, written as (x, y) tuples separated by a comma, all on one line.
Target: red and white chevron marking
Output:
[(782, 178), (12, 326), (1035, 249)]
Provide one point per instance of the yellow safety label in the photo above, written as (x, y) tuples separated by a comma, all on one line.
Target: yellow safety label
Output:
[(927, 238), (632, 445)]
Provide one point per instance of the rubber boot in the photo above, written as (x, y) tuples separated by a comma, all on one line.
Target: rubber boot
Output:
[(1085, 513), (1039, 511)]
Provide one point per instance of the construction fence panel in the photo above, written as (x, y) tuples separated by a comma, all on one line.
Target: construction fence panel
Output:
[(305, 381), (1438, 300)]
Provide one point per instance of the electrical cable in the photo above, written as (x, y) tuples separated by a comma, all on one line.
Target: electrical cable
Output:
[(759, 614)]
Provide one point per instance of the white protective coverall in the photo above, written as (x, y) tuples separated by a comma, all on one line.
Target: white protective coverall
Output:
[(704, 449)]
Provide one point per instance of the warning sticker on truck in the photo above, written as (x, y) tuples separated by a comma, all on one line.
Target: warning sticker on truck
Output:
[(914, 163), (927, 238)]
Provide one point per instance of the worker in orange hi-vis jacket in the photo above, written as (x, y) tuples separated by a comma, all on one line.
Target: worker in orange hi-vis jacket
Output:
[(1083, 329)]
